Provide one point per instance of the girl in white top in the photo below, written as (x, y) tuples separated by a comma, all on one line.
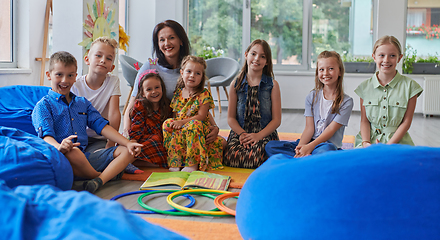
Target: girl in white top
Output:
[(327, 112)]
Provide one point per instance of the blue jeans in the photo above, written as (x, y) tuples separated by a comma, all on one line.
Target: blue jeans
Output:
[(288, 148)]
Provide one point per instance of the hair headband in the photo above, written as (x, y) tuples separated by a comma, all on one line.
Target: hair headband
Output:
[(146, 72)]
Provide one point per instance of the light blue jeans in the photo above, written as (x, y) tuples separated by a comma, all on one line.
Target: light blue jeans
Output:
[(288, 148)]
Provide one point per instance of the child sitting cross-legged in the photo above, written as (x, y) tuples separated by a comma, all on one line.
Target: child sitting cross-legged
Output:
[(184, 135), (102, 89), (61, 118), (149, 112)]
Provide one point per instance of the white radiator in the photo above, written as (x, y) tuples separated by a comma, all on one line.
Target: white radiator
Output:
[(431, 96)]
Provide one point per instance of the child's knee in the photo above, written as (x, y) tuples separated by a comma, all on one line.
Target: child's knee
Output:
[(123, 152)]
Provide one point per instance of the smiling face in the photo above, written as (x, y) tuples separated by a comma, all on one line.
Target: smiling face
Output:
[(100, 58), (386, 58), (152, 90), (169, 43), (192, 75), (256, 58), (62, 78), (328, 71)]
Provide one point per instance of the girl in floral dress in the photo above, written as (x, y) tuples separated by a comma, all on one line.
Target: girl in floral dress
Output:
[(150, 110), (254, 111), (184, 134)]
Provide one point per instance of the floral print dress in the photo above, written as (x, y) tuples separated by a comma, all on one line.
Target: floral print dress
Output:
[(238, 156), (187, 146)]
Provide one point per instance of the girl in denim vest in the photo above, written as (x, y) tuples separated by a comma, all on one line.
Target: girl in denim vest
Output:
[(254, 111), (327, 112)]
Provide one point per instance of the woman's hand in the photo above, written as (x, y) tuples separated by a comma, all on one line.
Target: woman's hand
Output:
[(212, 135)]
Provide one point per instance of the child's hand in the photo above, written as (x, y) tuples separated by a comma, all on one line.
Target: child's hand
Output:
[(212, 135), (177, 124), (249, 139), (134, 148), (303, 150), (67, 144)]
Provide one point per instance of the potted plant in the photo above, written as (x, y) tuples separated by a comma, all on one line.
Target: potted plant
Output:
[(418, 65), (358, 64), (208, 52)]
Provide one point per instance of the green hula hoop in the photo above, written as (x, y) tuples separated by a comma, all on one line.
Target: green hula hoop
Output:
[(142, 204)]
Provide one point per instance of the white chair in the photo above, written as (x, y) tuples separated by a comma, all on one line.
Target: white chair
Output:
[(129, 72), (220, 73)]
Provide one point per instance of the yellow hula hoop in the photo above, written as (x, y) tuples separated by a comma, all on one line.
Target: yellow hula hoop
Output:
[(195, 211), (218, 201)]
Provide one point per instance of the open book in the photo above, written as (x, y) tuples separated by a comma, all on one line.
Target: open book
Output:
[(185, 180)]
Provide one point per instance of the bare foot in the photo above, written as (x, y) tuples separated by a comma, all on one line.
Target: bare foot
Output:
[(174, 169), (190, 168)]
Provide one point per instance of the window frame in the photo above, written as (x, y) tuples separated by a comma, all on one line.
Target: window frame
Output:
[(13, 63), (307, 37)]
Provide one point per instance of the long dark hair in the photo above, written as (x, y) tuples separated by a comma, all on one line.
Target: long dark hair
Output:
[(267, 70), (180, 32), (199, 60), (339, 87), (164, 102)]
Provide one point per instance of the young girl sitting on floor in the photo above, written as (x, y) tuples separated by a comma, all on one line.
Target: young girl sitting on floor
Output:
[(388, 99), (184, 134), (327, 112), (150, 110), (254, 111)]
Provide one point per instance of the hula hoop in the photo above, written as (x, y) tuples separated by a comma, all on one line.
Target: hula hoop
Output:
[(193, 201), (195, 211), (218, 201), (169, 212)]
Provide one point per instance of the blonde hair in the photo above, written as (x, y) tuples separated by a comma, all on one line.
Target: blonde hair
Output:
[(106, 40), (387, 40), (339, 85), (194, 59), (267, 70)]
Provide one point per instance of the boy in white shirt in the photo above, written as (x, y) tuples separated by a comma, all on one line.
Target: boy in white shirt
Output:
[(102, 89)]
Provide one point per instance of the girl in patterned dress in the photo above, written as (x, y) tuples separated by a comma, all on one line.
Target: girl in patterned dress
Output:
[(184, 134), (150, 110), (254, 111)]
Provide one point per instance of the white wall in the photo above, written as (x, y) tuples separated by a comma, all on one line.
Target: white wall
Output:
[(144, 15), (30, 41)]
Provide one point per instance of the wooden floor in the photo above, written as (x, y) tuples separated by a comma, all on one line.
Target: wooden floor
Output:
[(424, 132)]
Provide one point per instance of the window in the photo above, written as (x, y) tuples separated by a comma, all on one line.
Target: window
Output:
[(297, 30), (7, 38), (423, 27), (216, 24)]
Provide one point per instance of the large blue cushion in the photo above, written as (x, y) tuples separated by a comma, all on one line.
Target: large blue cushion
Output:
[(26, 159), (380, 192), (17, 104), (44, 212)]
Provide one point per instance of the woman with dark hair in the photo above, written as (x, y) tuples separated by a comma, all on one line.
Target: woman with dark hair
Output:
[(170, 45)]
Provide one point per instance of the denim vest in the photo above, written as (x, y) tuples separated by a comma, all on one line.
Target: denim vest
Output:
[(264, 97)]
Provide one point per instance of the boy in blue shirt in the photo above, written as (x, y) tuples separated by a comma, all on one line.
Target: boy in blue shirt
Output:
[(60, 118)]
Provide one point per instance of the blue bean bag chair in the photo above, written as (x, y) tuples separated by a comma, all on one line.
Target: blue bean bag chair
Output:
[(26, 159), (17, 104), (380, 192), (44, 212)]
